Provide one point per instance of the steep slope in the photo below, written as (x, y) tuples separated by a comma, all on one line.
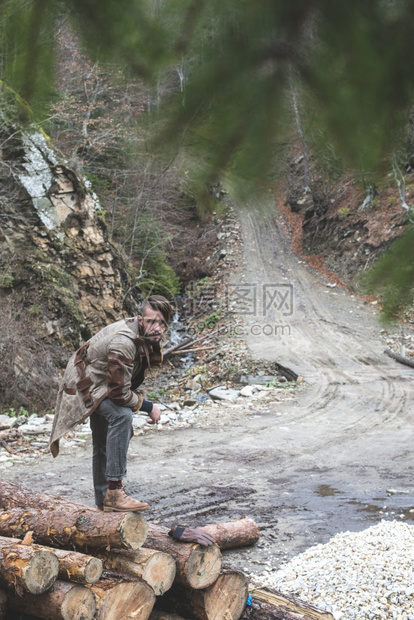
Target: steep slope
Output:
[(60, 279)]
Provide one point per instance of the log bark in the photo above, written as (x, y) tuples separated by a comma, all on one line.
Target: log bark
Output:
[(74, 527), (282, 603), (64, 601), (117, 597), (26, 568), (3, 604), (155, 567), (234, 533), (197, 566), (78, 567), (225, 599)]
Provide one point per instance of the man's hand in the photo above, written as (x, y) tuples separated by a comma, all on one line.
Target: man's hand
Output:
[(190, 534), (155, 414)]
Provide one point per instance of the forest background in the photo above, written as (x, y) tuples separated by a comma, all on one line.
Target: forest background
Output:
[(170, 110)]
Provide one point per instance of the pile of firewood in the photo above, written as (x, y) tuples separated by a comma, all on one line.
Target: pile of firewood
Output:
[(75, 562), (61, 560)]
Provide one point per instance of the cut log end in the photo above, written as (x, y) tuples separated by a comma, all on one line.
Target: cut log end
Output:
[(203, 567), (93, 570), (227, 596), (159, 572), (64, 601), (41, 572), (156, 568), (134, 530), (124, 600), (123, 604), (223, 600), (78, 604)]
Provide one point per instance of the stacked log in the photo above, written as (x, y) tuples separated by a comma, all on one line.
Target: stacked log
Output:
[(78, 567), (84, 528), (197, 566), (224, 599), (117, 578), (118, 597), (73, 562), (155, 567), (26, 568), (64, 601)]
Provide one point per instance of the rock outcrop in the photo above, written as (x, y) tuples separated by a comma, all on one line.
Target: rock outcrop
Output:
[(55, 255), (61, 278)]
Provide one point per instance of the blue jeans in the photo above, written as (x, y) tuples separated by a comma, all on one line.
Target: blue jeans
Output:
[(111, 431)]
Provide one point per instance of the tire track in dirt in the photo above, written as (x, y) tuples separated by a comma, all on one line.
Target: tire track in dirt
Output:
[(329, 340)]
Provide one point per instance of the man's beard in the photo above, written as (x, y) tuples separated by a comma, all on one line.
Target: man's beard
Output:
[(153, 338)]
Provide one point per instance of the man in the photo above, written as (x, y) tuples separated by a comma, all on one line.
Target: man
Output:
[(100, 382)]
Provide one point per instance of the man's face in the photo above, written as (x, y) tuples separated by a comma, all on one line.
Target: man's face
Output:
[(153, 325)]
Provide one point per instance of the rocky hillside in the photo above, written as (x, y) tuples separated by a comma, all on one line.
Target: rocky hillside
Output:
[(60, 277), (340, 228)]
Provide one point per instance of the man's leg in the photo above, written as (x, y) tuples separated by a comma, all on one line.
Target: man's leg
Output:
[(118, 434), (99, 427)]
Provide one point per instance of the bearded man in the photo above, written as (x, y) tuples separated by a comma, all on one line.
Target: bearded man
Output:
[(100, 383)]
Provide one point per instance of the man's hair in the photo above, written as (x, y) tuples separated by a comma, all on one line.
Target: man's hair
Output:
[(159, 304)]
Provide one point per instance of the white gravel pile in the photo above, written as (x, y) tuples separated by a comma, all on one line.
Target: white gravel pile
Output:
[(356, 575)]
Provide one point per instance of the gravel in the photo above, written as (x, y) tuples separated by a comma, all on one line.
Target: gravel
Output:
[(356, 575)]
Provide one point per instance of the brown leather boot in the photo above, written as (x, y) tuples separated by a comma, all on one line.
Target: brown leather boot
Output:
[(117, 500)]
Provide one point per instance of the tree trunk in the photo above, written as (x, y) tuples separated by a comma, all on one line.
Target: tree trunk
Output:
[(223, 600), (27, 568), (197, 566), (156, 568), (75, 527), (3, 604), (234, 533), (78, 567), (117, 597), (278, 603), (64, 601)]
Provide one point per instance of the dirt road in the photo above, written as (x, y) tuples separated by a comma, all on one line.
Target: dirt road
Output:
[(336, 457)]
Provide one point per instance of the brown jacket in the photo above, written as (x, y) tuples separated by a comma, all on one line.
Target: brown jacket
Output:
[(111, 365)]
